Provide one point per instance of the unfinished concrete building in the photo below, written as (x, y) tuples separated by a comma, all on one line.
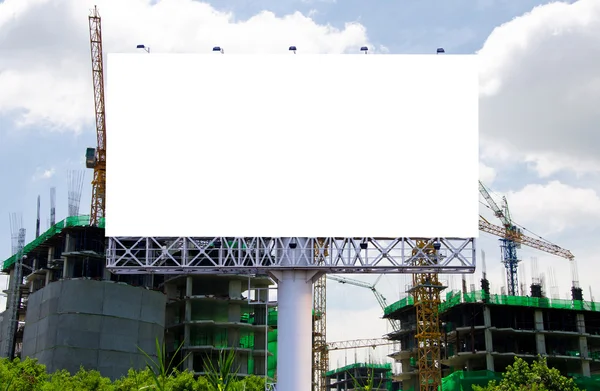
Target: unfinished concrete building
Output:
[(207, 314), (347, 378), (482, 333), (71, 311)]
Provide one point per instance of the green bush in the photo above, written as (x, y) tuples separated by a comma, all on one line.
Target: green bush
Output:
[(29, 375)]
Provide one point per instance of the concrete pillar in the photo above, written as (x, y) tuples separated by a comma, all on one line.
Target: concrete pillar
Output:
[(189, 363), (489, 362), (585, 368), (189, 284), (234, 312), (489, 344), (235, 288), (48, 277), (538, 318), (66, 266), (540, 343), (487, 317), (580, 323), (540, 339), (583, 348), (186, 335), (188, 311), (68, 243)]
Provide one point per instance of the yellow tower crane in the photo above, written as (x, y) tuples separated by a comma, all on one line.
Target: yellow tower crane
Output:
[(426, 291), (96, 157)]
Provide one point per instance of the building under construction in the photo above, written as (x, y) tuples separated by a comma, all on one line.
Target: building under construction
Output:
[(211, 313), (360, 375), (65, 309), (482, 333)]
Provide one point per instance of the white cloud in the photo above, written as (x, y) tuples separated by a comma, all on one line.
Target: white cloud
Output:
[(555, 207), (486, 174), (45, 68), (41, 174), (540, 87)]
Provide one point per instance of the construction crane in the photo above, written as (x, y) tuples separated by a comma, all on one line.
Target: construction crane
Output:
[(95, 158), (380, 299), (511, 239), (426, 291), (358, 343), (507, 243), (320, 363)]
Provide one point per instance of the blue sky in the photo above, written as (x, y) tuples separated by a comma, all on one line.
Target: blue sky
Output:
[(540, 88)]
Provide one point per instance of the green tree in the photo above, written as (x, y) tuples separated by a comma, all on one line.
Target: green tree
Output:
[(520, 376)]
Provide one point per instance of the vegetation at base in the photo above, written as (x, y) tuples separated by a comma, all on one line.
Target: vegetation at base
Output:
[(520, 376), (368, 384), (29, 375)]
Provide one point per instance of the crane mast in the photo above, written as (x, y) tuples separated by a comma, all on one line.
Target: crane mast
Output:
[(96, 158), (508, 244), (426, 291), (320, 363)]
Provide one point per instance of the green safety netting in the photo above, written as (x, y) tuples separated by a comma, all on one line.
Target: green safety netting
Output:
[(409, 300), (456, 297), (387, 367), (587, 383), (73, 221), (464, 381)]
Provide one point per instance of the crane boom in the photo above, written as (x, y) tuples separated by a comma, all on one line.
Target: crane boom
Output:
[(495, 208), (380, 298), (96, 159), (358, 343), (518, 237)]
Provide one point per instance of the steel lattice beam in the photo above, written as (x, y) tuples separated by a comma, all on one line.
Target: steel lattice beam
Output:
[(359, 343), (181, 255)]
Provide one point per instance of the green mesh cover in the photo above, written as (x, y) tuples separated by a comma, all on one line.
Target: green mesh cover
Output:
[(409, 300), (588, 383), (455, 298), (73, 221), (464, 381), (387, 366)]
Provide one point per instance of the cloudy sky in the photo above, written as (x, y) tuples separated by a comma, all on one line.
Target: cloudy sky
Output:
[(540, 90)]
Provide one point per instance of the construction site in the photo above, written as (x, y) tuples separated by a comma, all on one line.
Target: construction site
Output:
[(67, 308)]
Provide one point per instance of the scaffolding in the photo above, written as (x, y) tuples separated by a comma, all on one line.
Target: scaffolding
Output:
[(73, 221)]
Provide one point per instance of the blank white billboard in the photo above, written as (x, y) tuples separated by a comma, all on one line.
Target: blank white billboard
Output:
[(292, 145)]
